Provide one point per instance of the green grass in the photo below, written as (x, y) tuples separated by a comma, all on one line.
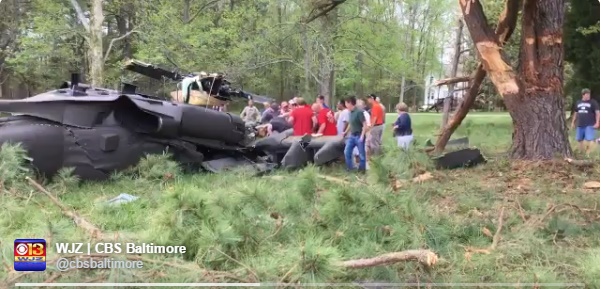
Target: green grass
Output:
[(296, 226)]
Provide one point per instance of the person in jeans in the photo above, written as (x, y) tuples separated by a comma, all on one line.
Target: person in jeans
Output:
[(355, 133), (403, 133), (586, 120)]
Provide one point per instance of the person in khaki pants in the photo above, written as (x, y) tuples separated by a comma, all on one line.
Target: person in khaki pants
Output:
[(374, 140), (250, 113)]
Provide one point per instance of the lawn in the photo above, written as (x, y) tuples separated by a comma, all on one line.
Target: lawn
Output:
[(294, 227)]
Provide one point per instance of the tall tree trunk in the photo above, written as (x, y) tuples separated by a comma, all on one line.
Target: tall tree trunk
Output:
[(359, 66), (451, 87), (306, 59), (326, 54), (186, 12), (123, 27), (402, 94), (540, 128), (95, 48), (534, 97), (282, 65)]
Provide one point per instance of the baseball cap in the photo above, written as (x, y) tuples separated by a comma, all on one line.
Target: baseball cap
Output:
[(586, 90), (292, 101), (373, 96)]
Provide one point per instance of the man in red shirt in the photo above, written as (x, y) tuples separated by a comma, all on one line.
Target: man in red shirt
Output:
[(374, 140), (301, 118), (325, 120)]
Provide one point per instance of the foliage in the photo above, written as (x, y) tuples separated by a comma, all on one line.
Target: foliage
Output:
[(260, 44), (296, 226), (581, 40), (13, 167)]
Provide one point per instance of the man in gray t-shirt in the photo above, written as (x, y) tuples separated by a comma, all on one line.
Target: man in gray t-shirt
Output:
[(586, 120), (342, 118)]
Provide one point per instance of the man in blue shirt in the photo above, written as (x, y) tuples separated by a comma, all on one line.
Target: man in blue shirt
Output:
[(586, 120)]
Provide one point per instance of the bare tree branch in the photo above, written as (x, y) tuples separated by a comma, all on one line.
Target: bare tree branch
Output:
[(425, 257), (82, 18), (108, 50), (202, 8), (284, 60), (325, 9), (452, 80)]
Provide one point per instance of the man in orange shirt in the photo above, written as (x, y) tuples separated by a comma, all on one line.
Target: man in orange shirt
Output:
[(301, 118), (325, 120), (374, 140)]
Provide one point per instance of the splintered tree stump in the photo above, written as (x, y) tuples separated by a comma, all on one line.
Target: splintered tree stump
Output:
[(505, 27)]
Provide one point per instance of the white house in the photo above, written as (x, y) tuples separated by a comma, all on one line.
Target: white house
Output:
[(433, 94)]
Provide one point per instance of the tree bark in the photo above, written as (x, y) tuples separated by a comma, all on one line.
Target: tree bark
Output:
[(540, 128), (326, 54), (282, 65), (402, 94), (96, 59), (306, 59), (534, 97)]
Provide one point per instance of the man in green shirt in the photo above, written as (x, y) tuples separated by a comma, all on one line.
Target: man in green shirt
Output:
[(355, 133)]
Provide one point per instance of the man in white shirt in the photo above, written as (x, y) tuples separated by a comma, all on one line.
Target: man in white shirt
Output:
[(342, 117)]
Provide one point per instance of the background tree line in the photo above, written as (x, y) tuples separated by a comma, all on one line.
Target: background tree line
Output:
[(262, 45)]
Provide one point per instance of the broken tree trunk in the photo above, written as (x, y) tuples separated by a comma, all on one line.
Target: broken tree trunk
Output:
[(505, 27), (451, 87), (534, 97)]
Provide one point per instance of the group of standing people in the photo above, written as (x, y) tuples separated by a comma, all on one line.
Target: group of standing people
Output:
[(361, 121), (364, 127)]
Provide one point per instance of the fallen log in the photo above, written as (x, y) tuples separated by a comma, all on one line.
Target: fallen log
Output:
[(424, 257), (92, 230)]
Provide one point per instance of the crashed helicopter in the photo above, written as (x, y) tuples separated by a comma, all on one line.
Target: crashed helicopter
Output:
[(97, 131)]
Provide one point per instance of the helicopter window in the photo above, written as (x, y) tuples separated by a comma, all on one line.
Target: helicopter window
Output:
[(194, 86)]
